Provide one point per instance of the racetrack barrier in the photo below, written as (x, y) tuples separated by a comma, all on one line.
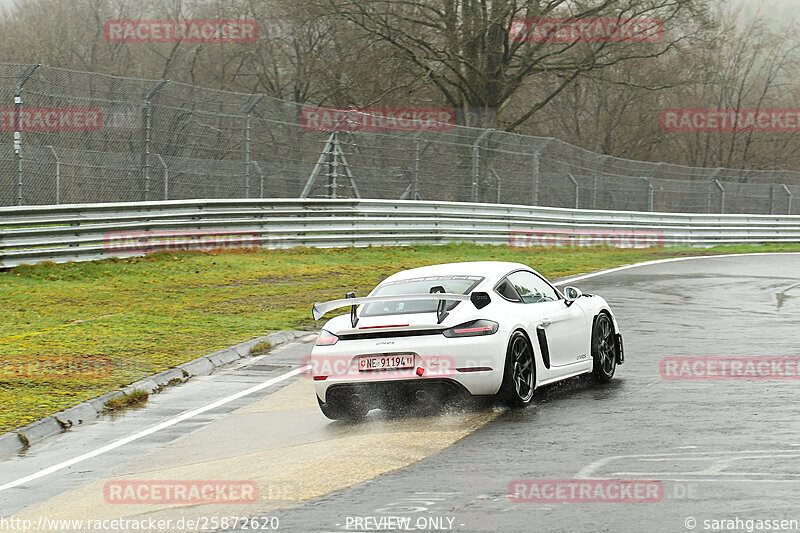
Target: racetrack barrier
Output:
[(85, 232)]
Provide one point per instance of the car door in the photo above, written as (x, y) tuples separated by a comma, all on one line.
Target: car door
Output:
[(560, 329)]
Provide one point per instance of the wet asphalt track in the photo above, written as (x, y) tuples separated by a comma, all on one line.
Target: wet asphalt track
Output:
[(722, 449)]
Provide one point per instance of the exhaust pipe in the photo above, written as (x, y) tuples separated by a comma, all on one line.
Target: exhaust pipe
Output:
[(356, 399), (422, 396)]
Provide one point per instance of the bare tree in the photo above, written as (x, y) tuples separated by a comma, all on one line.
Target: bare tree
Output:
[(749, 65), (466, 50)]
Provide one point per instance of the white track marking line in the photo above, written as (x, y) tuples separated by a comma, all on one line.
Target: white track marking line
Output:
[(661, 261), (180, 418), (185, 416), (588, 471)]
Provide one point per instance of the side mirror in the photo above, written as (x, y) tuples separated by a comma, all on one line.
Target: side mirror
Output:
[(571, 294)]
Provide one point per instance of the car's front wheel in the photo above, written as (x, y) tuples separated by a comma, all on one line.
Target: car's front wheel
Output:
[(519, 377), (604, 349)]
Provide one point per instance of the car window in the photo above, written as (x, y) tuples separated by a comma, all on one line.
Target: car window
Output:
[(532, 288), (451, 285), (507, 291)]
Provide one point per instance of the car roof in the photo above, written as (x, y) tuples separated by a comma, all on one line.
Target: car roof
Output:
[(486, 269)]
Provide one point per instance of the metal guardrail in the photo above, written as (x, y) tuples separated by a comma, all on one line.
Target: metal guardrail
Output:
[(96, 231)]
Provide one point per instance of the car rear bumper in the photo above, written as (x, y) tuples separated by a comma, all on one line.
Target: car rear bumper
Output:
[(474, 364), (397, 394)]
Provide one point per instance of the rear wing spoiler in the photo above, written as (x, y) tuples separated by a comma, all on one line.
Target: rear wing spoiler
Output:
[(478, 299)]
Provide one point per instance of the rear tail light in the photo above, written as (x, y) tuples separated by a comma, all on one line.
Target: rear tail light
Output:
[(473, 328), (326, 338)]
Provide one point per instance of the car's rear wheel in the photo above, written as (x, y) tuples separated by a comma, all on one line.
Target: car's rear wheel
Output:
[(336, 410), (519, 377), (604, 349)]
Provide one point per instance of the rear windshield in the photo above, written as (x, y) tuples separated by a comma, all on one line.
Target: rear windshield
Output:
[(451, 284)]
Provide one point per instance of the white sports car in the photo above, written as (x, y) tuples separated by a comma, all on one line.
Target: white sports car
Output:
[(482, 328)]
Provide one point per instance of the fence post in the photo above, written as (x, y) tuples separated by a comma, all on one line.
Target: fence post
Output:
[(772, 198), (649, 193), (144, 186), (246, 143), (711, 180), (577, 189), (165, 170), (415, 179), (772, 187), (721, 197), (476, 154), (18, 131), (789, 194), (329, 149), (651, 190), (58, 174), (260, 179), (497, 183), (535, 184), (333, 168), (603, 160)]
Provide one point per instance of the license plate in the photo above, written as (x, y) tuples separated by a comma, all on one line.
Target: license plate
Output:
[(385, 362)]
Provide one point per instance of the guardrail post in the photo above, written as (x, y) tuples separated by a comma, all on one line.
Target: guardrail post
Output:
[(165, 170), (476, 154), (577, 189), (415, 178), (246, 144), (711, 180), (260, 179), (18, 131), (535, 184), (58, 174), (144, 186)]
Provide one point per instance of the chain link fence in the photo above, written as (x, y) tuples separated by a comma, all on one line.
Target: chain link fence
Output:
[(79, 137)]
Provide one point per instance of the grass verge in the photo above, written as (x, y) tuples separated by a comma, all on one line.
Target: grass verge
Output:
[(126, 319)]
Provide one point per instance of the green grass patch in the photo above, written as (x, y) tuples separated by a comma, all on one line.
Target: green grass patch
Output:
[(136, 398), (261, 348), (144, 315)]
